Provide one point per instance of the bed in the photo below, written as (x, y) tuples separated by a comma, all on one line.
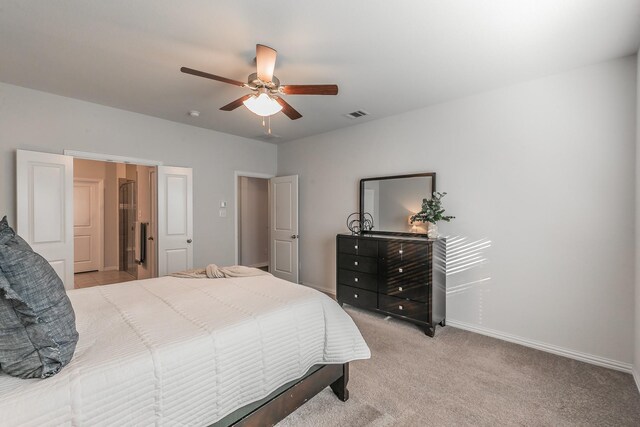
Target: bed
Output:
[(172, 351)]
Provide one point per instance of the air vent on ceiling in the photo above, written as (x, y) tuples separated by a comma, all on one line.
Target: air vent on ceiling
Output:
[(357, 114)]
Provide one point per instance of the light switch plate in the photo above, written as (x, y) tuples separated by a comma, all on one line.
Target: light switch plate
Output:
[(223, 203), (222, 213)]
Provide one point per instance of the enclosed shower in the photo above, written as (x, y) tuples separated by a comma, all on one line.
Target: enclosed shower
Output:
[(127, 216)]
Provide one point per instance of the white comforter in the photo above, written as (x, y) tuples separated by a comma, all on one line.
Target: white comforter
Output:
[(172, 351)]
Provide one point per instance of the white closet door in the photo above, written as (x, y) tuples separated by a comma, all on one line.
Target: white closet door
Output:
[(175, 219), (284, 227), (88, 201), (45, 208)]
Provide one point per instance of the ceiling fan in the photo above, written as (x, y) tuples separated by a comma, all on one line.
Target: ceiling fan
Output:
[(266, 97)]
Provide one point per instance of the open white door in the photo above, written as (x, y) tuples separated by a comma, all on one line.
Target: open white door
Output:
[(284, 227), (44, 184), (175, 219)]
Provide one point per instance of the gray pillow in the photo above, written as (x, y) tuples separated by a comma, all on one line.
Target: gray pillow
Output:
[(37, 324)]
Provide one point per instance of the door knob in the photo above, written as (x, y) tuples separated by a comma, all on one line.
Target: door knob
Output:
[(295, 236), (189, 240)]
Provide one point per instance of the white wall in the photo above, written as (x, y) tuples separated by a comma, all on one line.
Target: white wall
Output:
[(544, 169), (39, 121)]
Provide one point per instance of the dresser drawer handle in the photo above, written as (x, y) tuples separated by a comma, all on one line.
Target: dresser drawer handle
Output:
[(400, 288), (355, 247), (400, 307), (355, 263), (355, 295), (399, 270), (355, 280)]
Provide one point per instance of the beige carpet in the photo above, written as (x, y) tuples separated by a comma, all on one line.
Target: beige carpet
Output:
[(464, 379)]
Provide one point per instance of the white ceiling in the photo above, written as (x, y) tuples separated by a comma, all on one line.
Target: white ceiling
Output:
[(387, 57)]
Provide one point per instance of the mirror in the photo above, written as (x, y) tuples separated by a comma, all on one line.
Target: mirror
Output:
[(391, 200)]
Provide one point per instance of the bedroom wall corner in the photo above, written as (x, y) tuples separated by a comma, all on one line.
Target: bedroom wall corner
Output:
[(524, 167), (636, 359)]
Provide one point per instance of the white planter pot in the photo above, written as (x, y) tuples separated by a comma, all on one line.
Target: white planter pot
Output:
[(432, 230)]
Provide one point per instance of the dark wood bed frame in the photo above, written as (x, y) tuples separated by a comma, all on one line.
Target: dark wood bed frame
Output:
[(277, 407)]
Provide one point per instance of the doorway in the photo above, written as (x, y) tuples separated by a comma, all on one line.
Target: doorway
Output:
[(114, 225), (278, 218), (45, 211), (252, 221)]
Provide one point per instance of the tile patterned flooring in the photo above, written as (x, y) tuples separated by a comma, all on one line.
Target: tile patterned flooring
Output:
[(96, 278)]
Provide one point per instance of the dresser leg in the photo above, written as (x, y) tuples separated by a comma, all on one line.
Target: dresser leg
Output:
[(430, 330), (442, 323)]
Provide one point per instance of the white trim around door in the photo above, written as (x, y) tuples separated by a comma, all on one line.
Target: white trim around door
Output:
[(111, 158)]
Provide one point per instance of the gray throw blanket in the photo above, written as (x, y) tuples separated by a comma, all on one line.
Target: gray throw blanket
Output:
[(214, 272)]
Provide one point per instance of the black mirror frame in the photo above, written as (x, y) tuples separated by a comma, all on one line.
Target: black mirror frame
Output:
[(393, 233)]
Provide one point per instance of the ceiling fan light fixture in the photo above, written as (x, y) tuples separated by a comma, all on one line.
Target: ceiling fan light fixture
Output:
[(262, 105)]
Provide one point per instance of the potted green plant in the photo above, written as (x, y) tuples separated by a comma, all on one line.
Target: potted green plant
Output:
[(432, 212)]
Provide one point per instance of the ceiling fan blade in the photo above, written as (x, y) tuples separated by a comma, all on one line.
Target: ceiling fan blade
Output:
[(211, 76), (235, 104), (310, 89), (288, 110), (265, 62)]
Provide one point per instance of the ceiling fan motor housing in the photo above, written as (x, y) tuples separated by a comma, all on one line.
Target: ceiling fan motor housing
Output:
[(255, 83)]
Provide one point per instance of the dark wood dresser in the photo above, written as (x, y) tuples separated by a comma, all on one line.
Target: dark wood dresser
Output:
[(398, 276)]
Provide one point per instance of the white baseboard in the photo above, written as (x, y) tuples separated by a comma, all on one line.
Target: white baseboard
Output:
[(636, 376), (115, 268), (549, 348)]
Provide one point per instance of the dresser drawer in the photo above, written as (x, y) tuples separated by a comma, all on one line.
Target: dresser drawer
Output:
[(358, 297), (402, 251), (411, 309), (358, 263), (413, 291), (358, 246), (358, 279), (399, 272)]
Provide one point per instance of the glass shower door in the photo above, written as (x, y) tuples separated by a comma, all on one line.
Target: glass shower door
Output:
[(127, 213)]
